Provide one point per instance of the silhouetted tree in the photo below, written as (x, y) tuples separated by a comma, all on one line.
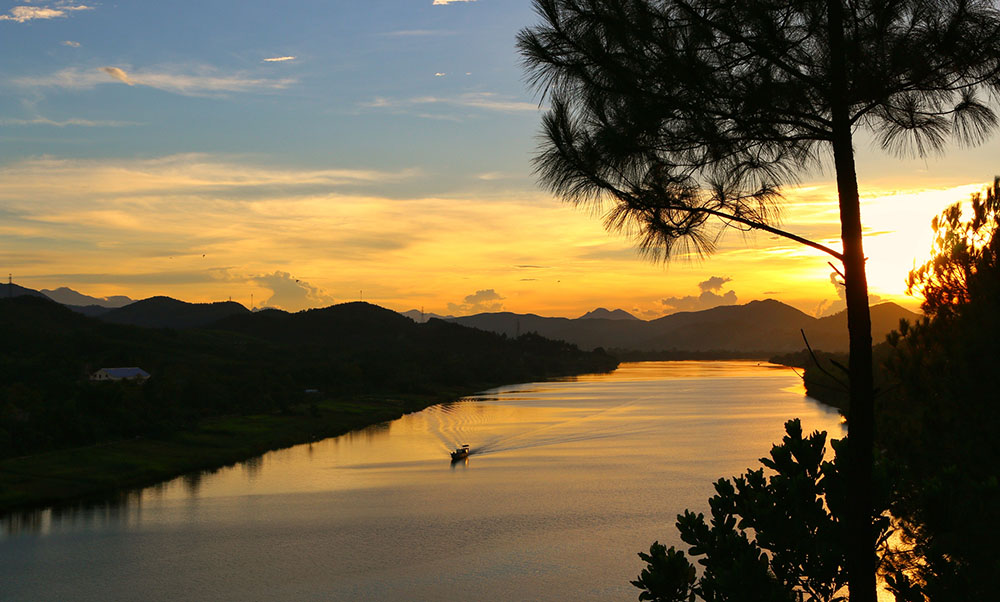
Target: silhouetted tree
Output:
[(965, 261), (779, 538), (688, 115), (942, 408)]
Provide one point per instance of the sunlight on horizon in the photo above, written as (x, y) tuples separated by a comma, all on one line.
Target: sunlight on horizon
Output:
[(536, 255)]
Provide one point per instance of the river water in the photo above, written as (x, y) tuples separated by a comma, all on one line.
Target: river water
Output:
[(567, 481)]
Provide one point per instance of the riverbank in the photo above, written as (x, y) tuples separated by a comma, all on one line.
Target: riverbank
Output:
[(99, 471)]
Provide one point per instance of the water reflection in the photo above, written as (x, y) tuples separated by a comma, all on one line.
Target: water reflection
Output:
[(566, 482)]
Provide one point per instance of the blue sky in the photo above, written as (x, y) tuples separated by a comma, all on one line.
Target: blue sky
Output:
[(318, 152), (397, 85)]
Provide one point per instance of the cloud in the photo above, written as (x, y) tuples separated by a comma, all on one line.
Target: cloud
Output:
[(491, 176), (489, 101), (706, 300), (71, 43), (279, 59), (190, 176), (440, 74), (291, 294), (481, 301), (23, 14), (713, 284), (828, 307), (118, 74), (447, 2), (67, 122), (197, 81)]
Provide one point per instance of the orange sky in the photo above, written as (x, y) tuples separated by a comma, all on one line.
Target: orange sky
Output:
[(186, 226)]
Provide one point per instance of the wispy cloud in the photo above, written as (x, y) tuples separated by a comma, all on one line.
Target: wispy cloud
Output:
[(71, 43), (279, 59), (89, 123), (23, 14), (191, 175), (198, 81), (446, 2), (489, 101)]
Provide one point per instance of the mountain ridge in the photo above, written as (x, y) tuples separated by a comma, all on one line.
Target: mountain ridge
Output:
[(758, 327)]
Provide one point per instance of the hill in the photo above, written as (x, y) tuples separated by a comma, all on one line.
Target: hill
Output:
[(164, 312), (245, 363), (602, 314), (418, 316), (68, 296), (757, 328), (9, 290)]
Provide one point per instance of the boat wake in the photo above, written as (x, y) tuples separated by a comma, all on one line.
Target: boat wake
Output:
[(492, 429)]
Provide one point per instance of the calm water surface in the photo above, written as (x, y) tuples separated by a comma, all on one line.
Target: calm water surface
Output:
[(567, 481)]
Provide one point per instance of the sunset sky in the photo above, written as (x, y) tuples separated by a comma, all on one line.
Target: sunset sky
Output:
[(316, 152)]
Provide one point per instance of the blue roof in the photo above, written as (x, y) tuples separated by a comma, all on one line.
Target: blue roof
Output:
[(126, 372)]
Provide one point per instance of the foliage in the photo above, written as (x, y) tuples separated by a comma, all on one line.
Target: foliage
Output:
[(774, 537), (965, 257), (681, 111), (939, 420), (245, 364)]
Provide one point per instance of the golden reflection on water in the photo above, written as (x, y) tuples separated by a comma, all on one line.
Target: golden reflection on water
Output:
[(566, 481)]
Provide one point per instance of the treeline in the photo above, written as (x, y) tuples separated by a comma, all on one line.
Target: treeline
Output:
[(262, 362)]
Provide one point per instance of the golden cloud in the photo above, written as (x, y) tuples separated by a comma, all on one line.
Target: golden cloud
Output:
[(186, 214)]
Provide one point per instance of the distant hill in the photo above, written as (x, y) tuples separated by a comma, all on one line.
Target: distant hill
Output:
[(68, 296), (757, 327), (602, 314), (419, 317), (164, 312)]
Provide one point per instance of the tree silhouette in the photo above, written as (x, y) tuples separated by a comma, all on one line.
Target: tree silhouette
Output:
[(685, 117), (778, 538), (945, 417)]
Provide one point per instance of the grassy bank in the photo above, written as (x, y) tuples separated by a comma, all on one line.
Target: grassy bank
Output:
[(99, 471)]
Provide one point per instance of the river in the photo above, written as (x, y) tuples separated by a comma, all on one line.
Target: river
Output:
[(567, 481)]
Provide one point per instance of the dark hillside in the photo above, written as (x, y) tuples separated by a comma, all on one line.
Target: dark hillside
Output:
[(247, 363), (164, 312), (10, 290)]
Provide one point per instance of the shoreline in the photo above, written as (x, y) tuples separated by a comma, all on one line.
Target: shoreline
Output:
[(100, 472)]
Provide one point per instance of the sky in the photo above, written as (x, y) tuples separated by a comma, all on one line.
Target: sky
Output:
[(303, 153)]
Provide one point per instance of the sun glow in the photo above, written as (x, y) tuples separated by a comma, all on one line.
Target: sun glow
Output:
[(205, 228)]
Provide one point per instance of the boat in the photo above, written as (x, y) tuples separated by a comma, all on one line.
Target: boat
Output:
[(460, 452)]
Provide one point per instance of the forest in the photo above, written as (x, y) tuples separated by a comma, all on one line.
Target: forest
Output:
[(266, 362)]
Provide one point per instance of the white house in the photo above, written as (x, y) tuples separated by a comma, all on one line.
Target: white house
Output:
[(136, 374)]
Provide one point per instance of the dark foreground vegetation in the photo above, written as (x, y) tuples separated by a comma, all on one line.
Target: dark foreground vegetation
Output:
[(243, 385), (780, 536)]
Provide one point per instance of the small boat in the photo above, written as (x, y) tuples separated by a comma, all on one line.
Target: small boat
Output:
[(460, 453)]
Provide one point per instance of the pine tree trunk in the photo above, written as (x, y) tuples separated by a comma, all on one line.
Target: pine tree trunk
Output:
[(860, 420), (861, 559)]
